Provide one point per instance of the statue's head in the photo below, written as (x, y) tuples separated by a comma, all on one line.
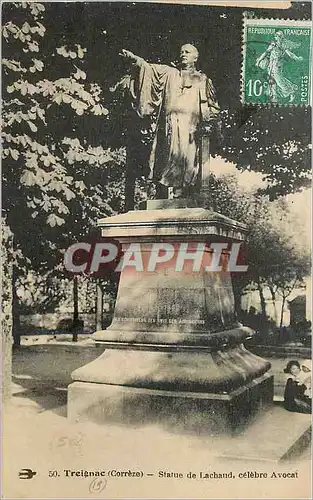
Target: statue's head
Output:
[(188, 54)]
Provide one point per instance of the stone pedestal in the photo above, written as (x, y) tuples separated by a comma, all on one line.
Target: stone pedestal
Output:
[(175, 349)]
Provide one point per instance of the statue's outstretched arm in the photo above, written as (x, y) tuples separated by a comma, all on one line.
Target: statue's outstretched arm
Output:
[(146, 84), (127, 54)]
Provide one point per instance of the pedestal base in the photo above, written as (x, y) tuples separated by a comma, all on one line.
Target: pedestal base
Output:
[(175, 410)]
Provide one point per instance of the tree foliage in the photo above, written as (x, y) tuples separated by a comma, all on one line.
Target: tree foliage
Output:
[(55, 184), (276, 254), (274, 142)]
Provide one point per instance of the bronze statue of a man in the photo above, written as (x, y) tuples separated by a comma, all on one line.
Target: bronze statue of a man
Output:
[(184, 103)]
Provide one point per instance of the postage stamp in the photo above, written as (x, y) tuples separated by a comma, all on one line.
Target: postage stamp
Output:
[(276, 66)]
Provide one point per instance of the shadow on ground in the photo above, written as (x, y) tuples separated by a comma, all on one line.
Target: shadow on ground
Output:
[(42, 373)]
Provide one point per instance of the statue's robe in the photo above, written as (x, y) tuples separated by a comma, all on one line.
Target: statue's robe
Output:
[(181, 101)]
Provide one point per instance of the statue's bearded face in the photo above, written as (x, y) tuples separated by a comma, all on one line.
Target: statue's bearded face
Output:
[(188, 54)]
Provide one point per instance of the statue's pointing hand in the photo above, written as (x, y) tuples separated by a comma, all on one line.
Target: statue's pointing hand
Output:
[(127, 54)]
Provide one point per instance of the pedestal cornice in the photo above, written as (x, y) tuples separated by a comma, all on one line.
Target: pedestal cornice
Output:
[(187, 222)]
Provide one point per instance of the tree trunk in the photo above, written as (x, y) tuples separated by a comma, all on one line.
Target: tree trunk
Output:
[(130, 179), (99, 307), (7, 316), (237, 290), (16, 321), (282, 313), (262, 299), (263, 326), (274, 302), (75, 310), (237, 302), (133, 148)]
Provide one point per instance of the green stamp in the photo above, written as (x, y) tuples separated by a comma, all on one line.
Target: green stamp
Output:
[(276, 66)]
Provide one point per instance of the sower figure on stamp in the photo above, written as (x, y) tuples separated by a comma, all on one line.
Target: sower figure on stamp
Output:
[(272, 60), (183, 102)]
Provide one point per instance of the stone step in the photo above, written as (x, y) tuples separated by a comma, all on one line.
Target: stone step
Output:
[(273, 436)]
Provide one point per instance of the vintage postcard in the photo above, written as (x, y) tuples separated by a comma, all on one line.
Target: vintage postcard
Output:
[(156, 249)]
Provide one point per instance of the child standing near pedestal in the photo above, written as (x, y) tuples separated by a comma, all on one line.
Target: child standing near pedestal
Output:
[(298, 387)]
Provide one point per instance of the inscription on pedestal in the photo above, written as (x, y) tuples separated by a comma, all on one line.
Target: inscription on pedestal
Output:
[(205, 309)]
